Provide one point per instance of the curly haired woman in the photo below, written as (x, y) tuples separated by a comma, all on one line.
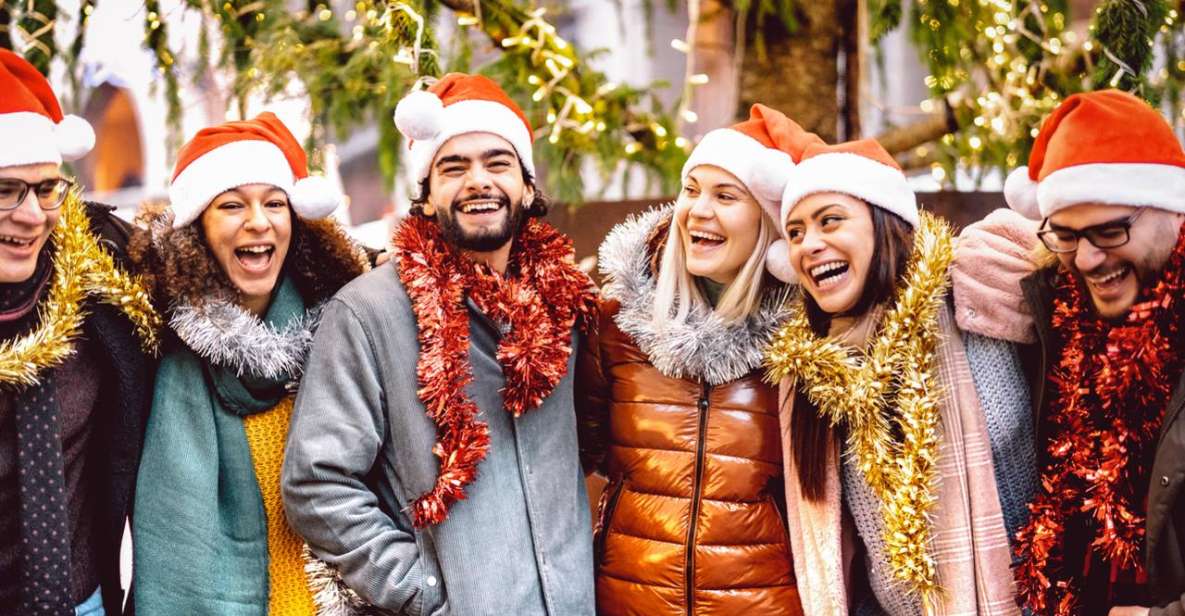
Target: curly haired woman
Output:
[(239, 265)]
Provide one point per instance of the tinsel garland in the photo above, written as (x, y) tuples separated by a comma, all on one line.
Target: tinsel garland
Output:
[(81, 268), (537, 304), (1111, 384), (890, 386)]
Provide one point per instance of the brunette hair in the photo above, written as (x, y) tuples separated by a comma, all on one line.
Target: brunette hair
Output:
[(810, 434)]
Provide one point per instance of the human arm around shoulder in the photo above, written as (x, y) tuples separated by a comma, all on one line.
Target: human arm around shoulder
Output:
[(592, 398), (991, 257), (334, 443)]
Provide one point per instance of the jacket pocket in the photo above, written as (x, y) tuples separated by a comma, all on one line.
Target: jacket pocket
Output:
[(609, 501)]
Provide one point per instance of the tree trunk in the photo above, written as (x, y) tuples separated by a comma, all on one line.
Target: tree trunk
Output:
[(855, 35), (799, 75), (715, 103)]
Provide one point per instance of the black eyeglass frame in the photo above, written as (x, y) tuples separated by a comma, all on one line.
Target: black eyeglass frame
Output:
[(1090, 233), (30, 186)]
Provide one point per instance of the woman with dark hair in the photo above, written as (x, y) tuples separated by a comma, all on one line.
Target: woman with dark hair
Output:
[(239, 265), (670, 396), (893, 414)]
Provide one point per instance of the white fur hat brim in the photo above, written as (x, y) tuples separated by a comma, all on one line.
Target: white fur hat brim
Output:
[(32, 138), (763, 170), (1131, 184), (247, 162), (851, 174)]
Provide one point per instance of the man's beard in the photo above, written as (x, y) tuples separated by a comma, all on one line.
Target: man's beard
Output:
[(482, 240)]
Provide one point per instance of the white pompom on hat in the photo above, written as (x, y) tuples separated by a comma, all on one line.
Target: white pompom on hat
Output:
[(455, 105), (760, 152), (257, 151), (777, 262), (1100, 147), (33, 128)]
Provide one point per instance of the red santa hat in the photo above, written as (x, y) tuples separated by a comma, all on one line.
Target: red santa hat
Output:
[(862, 169), (760, 152), (455, 105), (257, 151), (1100, 147), (32, 126)]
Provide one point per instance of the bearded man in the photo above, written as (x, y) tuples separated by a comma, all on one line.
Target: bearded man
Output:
[(75, 384), (432, 457), (1106, 533)]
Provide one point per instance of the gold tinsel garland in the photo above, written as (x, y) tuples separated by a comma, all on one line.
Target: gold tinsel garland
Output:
[(893, 382), (81, 268)]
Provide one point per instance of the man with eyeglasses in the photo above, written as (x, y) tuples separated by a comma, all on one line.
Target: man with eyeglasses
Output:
[(1106, 532), (74, 382)]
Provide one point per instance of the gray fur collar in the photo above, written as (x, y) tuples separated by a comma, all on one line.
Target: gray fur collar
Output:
[(703, 348), (225, 334)]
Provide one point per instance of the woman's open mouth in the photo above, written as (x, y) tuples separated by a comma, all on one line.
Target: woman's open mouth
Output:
[(830, 274), (255, 258), (706, 240)]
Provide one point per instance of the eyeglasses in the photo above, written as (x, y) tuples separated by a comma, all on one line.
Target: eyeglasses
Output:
[(1107, 235), (50, 193)]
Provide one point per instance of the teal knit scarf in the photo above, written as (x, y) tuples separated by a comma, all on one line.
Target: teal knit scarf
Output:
[(199, 529)]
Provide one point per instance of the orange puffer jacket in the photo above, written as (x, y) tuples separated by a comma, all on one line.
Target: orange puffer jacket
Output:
[(688, 435)]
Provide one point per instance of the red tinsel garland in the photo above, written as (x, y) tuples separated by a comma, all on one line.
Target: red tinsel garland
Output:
[(1111, 384), (539, 301)]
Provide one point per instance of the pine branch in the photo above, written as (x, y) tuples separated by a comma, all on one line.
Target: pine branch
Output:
[(1126, 30)]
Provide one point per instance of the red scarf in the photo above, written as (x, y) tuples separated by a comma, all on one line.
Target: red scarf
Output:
[(540, 300), (1112, 383)]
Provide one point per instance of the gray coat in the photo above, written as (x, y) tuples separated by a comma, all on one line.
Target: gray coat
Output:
[(360, 451)]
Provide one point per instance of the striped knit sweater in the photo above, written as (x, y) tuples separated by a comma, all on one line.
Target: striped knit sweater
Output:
[(1004, 396)]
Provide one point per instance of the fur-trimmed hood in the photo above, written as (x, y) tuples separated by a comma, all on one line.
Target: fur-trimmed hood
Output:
[(202, 306), (704, 347)]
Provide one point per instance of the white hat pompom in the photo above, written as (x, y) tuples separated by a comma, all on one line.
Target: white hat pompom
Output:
[(420, 115), (74, 137), (315, 197), (1020, 192), (777, 261), (769, 173)]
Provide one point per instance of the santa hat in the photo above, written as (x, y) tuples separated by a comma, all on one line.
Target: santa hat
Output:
[(455, 105), (760, 152), (257, 151), (32, 127), (1100, 147), (862, 169)]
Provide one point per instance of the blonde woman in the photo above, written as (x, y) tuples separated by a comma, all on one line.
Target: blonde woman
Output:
[(672, 406)]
